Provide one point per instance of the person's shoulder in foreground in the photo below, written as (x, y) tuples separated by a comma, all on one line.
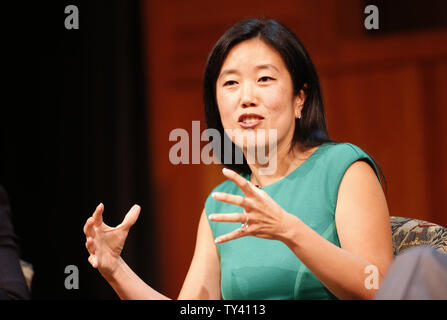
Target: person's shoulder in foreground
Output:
[(12, 281)]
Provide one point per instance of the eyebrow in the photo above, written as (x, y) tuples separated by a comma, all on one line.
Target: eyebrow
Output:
[(259, 67)]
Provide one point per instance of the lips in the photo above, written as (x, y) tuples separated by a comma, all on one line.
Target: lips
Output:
[(250, 120)]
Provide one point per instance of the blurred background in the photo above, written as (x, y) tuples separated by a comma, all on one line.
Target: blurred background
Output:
[(90, 117)]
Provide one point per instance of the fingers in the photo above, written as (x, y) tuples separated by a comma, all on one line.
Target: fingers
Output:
[(230, 198), (238, 233), (89, 244), (228, 217), (97, 215), (130, 218), (93, 260), (245, 185), (231, 217), (88, 227), (94, 220)]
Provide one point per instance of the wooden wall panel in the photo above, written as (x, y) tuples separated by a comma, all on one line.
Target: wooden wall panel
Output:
[(435, 114), (383, 93), (372, 109)]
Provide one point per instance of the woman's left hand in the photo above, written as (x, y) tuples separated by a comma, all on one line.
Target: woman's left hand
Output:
[(262, 216)]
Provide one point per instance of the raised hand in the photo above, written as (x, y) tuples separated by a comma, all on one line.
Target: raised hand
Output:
[(105, 243), (262, 216)]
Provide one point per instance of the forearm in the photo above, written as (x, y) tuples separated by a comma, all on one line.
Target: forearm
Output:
[(342, 272), (129, 286)]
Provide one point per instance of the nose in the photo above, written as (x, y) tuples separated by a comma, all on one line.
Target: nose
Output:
[(248, 97)]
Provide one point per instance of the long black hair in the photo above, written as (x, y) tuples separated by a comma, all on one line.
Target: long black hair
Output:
[(311, 129)]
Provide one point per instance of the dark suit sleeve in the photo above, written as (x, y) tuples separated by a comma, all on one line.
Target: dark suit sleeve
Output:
[(12, 281)]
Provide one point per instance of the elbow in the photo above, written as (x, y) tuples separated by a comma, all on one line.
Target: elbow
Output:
[(370, 290), (367, 290), (370, 294)]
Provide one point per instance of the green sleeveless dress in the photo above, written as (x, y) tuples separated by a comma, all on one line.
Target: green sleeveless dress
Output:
[(255, 268)]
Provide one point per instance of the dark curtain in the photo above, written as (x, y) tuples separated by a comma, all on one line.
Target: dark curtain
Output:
[(73, 134)]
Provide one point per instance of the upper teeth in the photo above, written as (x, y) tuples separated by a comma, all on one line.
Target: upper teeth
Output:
[(249, 120)]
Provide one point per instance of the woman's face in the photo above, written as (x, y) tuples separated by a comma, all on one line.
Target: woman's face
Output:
[(254, 91)]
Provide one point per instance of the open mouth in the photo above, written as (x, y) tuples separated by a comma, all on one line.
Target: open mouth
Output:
[(250, 120)]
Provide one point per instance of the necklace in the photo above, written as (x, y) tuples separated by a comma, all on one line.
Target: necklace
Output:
[(255, 183)]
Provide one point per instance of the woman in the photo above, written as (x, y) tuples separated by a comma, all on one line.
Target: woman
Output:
[(311, 228)]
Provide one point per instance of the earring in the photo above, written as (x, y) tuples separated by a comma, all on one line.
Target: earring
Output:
[(298, 115)]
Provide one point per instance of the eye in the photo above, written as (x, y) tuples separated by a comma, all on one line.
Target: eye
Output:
[(265, 79), (229, 83)]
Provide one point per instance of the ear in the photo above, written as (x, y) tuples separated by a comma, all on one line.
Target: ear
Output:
[(298, 102)]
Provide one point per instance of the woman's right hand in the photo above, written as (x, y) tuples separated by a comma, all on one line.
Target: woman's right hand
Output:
[(105, 243)]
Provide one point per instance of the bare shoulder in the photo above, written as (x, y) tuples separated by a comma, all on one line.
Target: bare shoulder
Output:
[(360, 193), (360, 174), (362, 216)]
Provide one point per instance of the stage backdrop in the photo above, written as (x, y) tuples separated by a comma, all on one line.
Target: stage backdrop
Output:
[(73, 133)]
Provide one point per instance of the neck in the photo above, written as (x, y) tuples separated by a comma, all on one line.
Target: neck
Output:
[(288, 159)]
